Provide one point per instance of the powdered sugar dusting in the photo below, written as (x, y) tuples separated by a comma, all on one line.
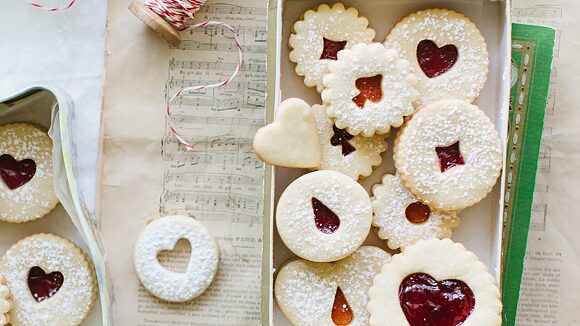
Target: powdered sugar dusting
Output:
[(305, 290), (295, 216), (390, 201), (467, 77), (35, 198), (162, 234), (333, 23), (5, 301), (441, 124), (74, 300)]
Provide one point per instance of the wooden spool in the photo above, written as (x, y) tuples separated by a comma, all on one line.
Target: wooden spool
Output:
[(155, 22)]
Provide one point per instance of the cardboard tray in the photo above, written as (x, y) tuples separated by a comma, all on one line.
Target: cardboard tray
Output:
[(481, 225), (50, 109)]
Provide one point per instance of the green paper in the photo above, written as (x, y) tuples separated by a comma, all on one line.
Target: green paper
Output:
[(532, 51)]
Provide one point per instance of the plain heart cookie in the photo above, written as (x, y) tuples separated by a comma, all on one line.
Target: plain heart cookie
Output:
[(331, 294), (434, 283), (292, 139)]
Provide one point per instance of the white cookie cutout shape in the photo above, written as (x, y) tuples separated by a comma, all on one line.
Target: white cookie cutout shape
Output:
[(5, 302), (447, 52), (292, 139), (448, 155), (369, 89), (162, 235), (435, 282), (321, 35), (354, 156), (331, 294), (26, 174), (323, 216), (402, 219), (52, 282)]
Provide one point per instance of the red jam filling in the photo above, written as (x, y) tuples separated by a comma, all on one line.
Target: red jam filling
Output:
[(341, 138), (341, 313), (427, 302), (449, 156), (43, 286), (434, 60), (331, 49), (417, 213), (325, 219), (14, 173), (370, 89)]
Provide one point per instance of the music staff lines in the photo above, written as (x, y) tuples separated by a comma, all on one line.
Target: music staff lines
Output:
[(233, 10), (258, 86), (259, 34), (224, 66), (183, 118), (223, 47), (211, 178)]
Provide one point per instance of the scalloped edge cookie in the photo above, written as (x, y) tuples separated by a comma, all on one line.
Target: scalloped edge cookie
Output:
[(5, 302)]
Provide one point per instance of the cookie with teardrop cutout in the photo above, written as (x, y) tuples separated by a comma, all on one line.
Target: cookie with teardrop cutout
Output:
[(329, 293)]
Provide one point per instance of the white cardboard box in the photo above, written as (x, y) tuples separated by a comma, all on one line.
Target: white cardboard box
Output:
[(481, 225)]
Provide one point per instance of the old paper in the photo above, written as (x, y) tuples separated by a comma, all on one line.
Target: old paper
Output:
[(550, 287), (147, 174)]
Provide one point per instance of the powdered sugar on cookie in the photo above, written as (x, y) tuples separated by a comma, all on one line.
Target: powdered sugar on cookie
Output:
[(5, 301)]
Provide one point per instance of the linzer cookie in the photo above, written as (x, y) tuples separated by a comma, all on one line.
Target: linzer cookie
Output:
[(51, 280), (323, 216), (5, 302), (447, 52), (321, 34), (354, 156), (448, 155), (434, 282), (329, 293), (369, 89), (402, 219), (26, 174)]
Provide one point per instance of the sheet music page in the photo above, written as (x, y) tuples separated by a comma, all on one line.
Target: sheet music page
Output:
[(147, 174), (550, 287)]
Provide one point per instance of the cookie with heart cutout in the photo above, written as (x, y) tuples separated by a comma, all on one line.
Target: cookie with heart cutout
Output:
[(354, 156), (329, 293), (448, 155), (292, 139), (5, 302), (434, 282), (52, 281), (402, 219), (321, 34), (26, 174), (369, 89), (447, 53), (162, 235), (323, 216)]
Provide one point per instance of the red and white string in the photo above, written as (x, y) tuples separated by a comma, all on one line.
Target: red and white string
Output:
[(52, 9), (175, 12)]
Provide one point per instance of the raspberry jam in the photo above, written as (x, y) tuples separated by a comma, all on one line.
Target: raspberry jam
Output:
[(43, 286), (14, 173), (370, 89), (449, 156), (417, 213), (331, 49), (341, 313), (427, 302), (434, 60), (324, 218), (341, 138)]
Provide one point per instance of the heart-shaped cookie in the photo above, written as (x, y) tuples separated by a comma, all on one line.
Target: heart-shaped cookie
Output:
[(292, 140), (329, 293), (16, 173), (434, 60)]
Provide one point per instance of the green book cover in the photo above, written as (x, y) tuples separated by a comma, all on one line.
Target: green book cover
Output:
[(532, 51)]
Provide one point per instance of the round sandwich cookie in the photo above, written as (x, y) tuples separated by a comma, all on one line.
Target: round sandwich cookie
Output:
[(26, 174), (447, 52), (162, 235), (329, 293), (52, 281), (5, 302), (321, 34), (354, 156), (369, 89), (402, 219), (434, 282), (323, 216), (448, 155)]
